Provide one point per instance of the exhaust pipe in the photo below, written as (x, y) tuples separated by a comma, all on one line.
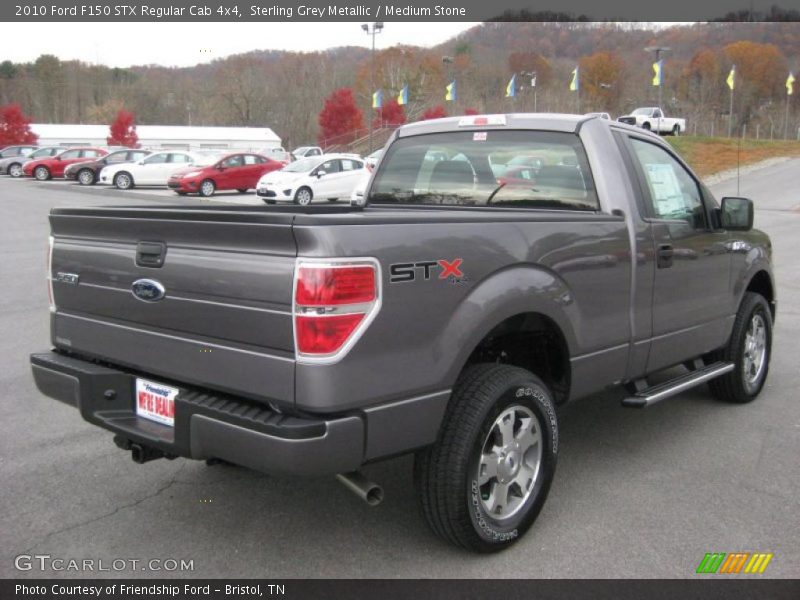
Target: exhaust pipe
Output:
[(368, 491)]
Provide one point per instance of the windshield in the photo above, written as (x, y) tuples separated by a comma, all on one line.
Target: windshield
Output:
[(301, 166), (481, 168), (643, 111)]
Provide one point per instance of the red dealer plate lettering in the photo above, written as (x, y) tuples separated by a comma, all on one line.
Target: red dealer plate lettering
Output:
[(156, 401)]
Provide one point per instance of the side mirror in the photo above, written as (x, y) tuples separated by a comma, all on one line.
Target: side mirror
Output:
[(320, 174), (140, 162), (736, 214)]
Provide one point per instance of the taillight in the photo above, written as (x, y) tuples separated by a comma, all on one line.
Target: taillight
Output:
[(50, 243), (334, 302)]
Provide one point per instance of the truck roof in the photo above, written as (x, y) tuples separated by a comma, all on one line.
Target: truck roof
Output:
[(568, 123), (546, 121)]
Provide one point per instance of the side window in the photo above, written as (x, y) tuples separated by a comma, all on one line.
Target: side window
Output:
[(233, 161), (134, 156), (252, 159), (674, 193), (179, 158), (71, 154), (89, 154), (331, 166), (314, 152), (349, 165), (116, 157), (156, 159)]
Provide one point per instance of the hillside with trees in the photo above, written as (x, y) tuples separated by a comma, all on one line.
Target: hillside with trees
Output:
[(287, 90)]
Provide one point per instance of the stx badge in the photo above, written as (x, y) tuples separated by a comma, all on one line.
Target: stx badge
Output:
[(427, 269)]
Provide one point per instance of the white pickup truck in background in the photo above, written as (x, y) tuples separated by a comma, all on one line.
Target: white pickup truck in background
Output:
[(654, 119)]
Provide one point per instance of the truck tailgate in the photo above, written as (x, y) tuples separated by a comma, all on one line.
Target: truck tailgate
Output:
[(225, 319)]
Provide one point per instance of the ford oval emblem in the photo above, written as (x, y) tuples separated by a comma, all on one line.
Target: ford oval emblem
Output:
[(148, 290)]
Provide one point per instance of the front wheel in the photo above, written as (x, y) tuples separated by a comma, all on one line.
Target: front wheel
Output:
[(241, 190), (484, 481), (15, 170), (41, 173), (749, 349), (303, 196), (123, 181), (207, 188)]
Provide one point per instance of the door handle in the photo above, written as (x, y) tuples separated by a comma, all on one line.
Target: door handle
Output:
[(664, 256)]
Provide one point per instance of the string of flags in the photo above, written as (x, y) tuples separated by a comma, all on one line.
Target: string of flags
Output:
[(574, 85)]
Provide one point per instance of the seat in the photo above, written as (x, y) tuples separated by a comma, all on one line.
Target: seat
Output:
[(560, 176), (451, 176)]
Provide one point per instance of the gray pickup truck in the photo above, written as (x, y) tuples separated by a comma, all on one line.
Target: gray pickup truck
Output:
[(497, 267)]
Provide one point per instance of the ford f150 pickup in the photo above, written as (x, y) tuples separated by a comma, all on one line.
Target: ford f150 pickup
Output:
[(654, 119), (448, 314)]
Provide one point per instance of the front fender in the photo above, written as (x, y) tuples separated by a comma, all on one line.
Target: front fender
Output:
[(512, 291)]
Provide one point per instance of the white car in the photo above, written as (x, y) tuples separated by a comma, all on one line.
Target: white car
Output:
[(152, 170), (306, 152), (326, 177)]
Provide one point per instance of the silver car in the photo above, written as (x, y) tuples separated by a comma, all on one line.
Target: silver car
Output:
[(12, 165)]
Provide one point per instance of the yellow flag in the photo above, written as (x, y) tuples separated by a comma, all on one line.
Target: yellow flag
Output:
[(731, 80), (790, 84)]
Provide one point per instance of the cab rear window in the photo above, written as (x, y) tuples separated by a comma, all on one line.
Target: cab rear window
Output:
[(512, 169)]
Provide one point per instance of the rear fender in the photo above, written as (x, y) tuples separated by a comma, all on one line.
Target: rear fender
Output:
[(512, 291)]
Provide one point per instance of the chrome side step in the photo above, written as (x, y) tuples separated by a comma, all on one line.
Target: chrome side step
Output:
[(648, 396)]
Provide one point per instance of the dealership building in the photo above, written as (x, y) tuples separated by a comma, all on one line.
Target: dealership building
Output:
[(167, 137)]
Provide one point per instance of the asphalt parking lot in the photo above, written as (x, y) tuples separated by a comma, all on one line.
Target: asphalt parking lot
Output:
[(637, 493)]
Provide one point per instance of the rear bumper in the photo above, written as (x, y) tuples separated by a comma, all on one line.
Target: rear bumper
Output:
[(207, 425)]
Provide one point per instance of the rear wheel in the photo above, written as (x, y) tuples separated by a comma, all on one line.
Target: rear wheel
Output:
[(646, 126), (123, 181), (86, 177), (41, 173), (207, 188), (303, 196), (749, 349), (676, 130), (15, 170), (484, 481)]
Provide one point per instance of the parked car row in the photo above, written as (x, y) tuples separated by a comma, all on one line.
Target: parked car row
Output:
[(272, 173)]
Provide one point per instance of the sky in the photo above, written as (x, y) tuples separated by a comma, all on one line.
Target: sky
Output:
[(186, 44)]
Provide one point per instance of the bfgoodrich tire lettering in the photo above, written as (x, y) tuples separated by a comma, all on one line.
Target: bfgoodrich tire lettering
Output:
[(454, 490)]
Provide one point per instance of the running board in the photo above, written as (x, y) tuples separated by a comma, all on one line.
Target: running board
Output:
[(659, 392)]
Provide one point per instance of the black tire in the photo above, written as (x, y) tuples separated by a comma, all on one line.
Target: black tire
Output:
[(446, 475), (734, 386), (646, 126), (86, 177), (332, 199), (15, 170), (242, 190), (676, 130), (207, 188), (123, 180), (41, 173), (266, 201), (303, 196), (181, 193)]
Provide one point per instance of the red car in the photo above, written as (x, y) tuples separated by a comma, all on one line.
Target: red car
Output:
[(47, 168), (239, 171)]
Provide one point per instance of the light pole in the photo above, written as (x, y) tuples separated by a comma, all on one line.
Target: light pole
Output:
[(658, 50), (373, 30)]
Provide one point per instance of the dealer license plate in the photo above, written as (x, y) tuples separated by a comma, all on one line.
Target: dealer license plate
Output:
[(156, 401)]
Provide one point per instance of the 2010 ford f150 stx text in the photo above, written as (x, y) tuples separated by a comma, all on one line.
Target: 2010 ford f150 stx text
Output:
[(500, 265)]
